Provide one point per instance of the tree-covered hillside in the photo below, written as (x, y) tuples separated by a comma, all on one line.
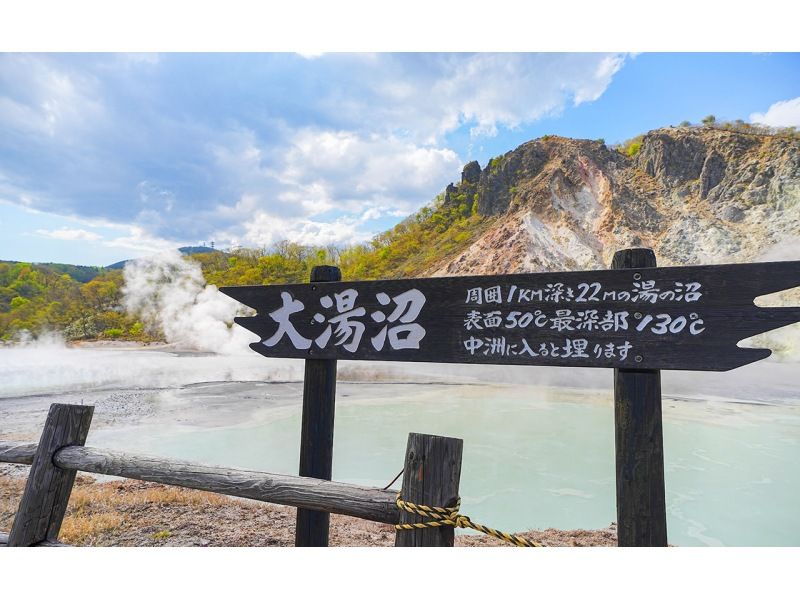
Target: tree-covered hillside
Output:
[(86, 303), (40, 297)]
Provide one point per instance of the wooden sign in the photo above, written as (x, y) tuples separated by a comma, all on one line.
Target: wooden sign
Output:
[(685, 318)]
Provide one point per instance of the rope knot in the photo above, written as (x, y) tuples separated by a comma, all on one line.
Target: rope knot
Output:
[(444, 516)]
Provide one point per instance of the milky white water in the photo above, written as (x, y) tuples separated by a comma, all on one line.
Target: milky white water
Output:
[(538, 442)]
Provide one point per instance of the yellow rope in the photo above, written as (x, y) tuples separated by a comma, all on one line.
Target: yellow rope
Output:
[(442, 516)]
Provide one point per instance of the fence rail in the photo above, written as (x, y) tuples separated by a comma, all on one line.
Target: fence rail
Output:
[(17, 452), (61, 453), (306, 493)]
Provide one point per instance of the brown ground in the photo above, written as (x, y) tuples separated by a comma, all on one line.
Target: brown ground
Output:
[(133, 513)]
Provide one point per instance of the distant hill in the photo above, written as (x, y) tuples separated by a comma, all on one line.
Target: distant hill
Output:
[(78, 273), (79, 302), (183, 250)]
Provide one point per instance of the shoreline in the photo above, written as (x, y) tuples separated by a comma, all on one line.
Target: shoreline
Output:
[(134, 513), (120, 366), (240, 411)]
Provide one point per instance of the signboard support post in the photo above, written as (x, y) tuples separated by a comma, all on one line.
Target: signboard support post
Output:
[(641, 504), (316, 436), (636, 318)]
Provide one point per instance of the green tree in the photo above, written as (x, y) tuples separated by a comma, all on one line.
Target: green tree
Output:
[(18, 302)]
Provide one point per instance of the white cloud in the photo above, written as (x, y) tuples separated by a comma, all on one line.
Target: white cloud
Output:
[(152, 195), (370, 214), (69, 234), (42, 97), (264, 229), (355, 172), (133, 238), (141, 242), (148, 144), (591, 88), (428, 96), (311, 54), (780, 114), (318, 176)]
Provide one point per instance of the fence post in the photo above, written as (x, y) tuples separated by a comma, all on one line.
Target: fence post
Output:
[(641, 504), (316, 436), (44, 501), (431, 477)]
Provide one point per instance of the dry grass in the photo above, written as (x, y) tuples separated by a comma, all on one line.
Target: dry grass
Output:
[(83, 529), (10, 493), (132, 513), (97, 512), (87, 498)]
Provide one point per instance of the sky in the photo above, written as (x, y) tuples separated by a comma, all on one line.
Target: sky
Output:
[(105, 157)]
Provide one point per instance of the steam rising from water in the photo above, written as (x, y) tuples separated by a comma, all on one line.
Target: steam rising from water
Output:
[(169, 293), (49, 366), (784, 342)]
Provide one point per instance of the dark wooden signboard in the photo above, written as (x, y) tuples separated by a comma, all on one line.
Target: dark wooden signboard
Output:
[(684, 318)]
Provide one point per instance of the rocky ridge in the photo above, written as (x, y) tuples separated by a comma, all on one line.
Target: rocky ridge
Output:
[(694, 195)]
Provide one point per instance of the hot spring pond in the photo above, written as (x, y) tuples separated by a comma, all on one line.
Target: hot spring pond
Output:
[(533, 457)]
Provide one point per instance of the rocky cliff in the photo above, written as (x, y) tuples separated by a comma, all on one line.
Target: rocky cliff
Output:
[(694, 195)]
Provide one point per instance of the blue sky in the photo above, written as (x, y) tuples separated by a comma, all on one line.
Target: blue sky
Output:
[(109, 156)]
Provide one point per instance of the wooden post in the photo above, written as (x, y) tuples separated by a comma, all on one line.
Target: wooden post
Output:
[(316, 437), (44, 501), (431, 477), (641, 505)]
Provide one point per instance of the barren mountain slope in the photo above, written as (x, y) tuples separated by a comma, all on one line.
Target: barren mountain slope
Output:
[(693, 195)]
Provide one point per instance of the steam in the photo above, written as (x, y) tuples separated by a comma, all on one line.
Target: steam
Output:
[(48, 367), (784, 342), (787, 249), (47, 339), (170, 294)]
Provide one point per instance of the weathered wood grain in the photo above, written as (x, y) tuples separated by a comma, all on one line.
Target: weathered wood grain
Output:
[(44, 501), (641, 505), (726, 308), (306, 493), (17, 452), (431, 477), (316, 433), (335, 497)]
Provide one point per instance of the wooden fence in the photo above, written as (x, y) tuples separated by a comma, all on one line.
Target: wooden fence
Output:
[(721, 315), (432, 473)]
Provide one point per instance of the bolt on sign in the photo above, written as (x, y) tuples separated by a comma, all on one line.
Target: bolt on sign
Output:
[(683, 318)]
